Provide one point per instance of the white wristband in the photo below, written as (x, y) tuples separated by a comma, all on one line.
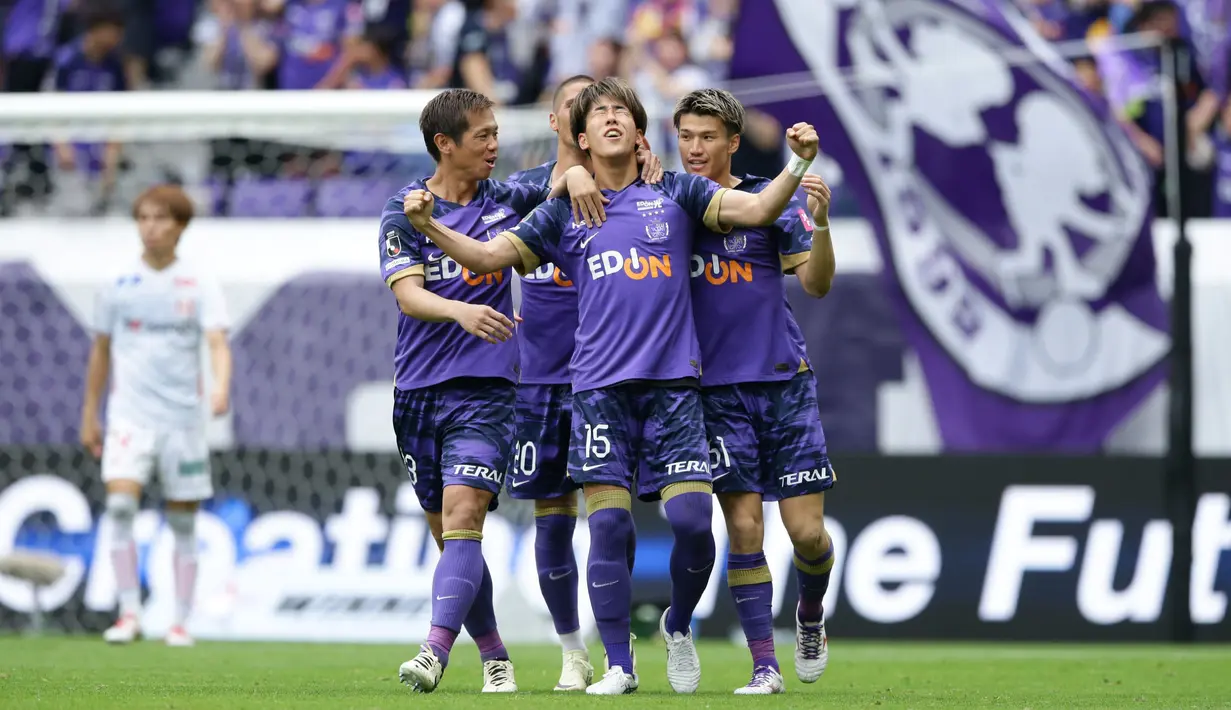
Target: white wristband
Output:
[(798, 166)]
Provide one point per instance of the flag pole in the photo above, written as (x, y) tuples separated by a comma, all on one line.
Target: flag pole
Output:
[(1179, 482)]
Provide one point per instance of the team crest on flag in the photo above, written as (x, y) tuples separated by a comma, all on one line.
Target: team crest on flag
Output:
[(393, 244), (1013, 213), (657, 230)]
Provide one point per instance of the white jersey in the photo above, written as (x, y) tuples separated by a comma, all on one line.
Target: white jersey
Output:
[(157, 321)]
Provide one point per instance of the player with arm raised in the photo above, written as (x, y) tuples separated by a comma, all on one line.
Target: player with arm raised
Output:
[(148, 329), (637, 418), (758, 391), (544, 406), (455, 367)]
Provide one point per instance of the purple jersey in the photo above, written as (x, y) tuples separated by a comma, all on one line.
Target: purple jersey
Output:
[(548, 310), (745, 326), (76, 72), (635, 317), (311, 38), (430, 353)]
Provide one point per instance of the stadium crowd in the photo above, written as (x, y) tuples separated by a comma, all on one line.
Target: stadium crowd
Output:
[(511, 50)]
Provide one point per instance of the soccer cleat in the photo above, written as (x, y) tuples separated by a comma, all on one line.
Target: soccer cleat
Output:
[(614, 682), (125, 630), (766, 680), (178, 637), (422, 673), (632, 654), (576, 673), (811, 650), (498, 677), (683, 664)]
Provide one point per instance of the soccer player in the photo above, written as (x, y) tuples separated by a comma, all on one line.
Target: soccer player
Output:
[(757, 389), (456, 366), (148, 329), (637, 418), (544, 406)]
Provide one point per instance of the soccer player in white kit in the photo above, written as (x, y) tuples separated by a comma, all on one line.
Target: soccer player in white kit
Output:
[(150, 322)]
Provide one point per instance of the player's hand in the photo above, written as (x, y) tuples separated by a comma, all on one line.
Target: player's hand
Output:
[(818, 197), (651, 166), (484, 322), (804, 141), (219, 403), (92, 436), (587, 199), (417, 206), (517, 319)]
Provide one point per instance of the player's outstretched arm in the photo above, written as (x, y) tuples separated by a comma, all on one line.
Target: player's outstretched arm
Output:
[(816, 274), (96, 373), (481, 321), (741, 209), (480, 257)]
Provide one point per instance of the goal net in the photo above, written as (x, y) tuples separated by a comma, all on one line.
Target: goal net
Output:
[(277, 154)]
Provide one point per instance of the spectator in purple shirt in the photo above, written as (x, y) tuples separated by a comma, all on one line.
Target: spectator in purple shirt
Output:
[(238, 45), (311, 36), (484, 62), (157, 38), (93, 63), (374, 65)]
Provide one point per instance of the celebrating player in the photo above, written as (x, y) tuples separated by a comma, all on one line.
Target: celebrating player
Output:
[(544, 406), (637, 418), (453, 399), (150, 321), (758, 390)]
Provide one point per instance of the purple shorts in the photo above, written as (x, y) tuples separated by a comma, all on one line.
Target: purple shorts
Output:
[(766, 437), (641, 436), (540, 464), (457, 433)]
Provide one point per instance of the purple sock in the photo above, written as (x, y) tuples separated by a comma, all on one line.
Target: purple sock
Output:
[(752, 589), (481, 622), (440, 640), (813, 580), (456, 582), (481, 619), (611, 589), (557, 567), (692, 556)]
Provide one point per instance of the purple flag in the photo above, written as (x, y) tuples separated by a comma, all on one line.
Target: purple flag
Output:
[(1012, 214), (1209, 21)]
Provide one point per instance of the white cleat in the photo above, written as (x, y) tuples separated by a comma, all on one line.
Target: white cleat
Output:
[(683, 664), (811, 650), (124, 631), (632, 652), (498, 677), (614, 682), (576, 673), (178, 637), (765, 681), (422, 673)]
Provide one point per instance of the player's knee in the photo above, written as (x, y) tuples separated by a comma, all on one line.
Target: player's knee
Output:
[(690, 509), (610, 520), (808, 537), (182, 523), (121, 508), (746, 531), (465, 508)]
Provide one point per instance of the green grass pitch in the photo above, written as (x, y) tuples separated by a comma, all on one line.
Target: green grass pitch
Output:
[(84, 673)]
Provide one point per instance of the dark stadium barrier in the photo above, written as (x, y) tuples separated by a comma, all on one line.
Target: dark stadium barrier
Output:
[(947, 547)]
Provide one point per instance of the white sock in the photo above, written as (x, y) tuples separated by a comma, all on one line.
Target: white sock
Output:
[(121, 508), (183, 527), (572, 641)]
